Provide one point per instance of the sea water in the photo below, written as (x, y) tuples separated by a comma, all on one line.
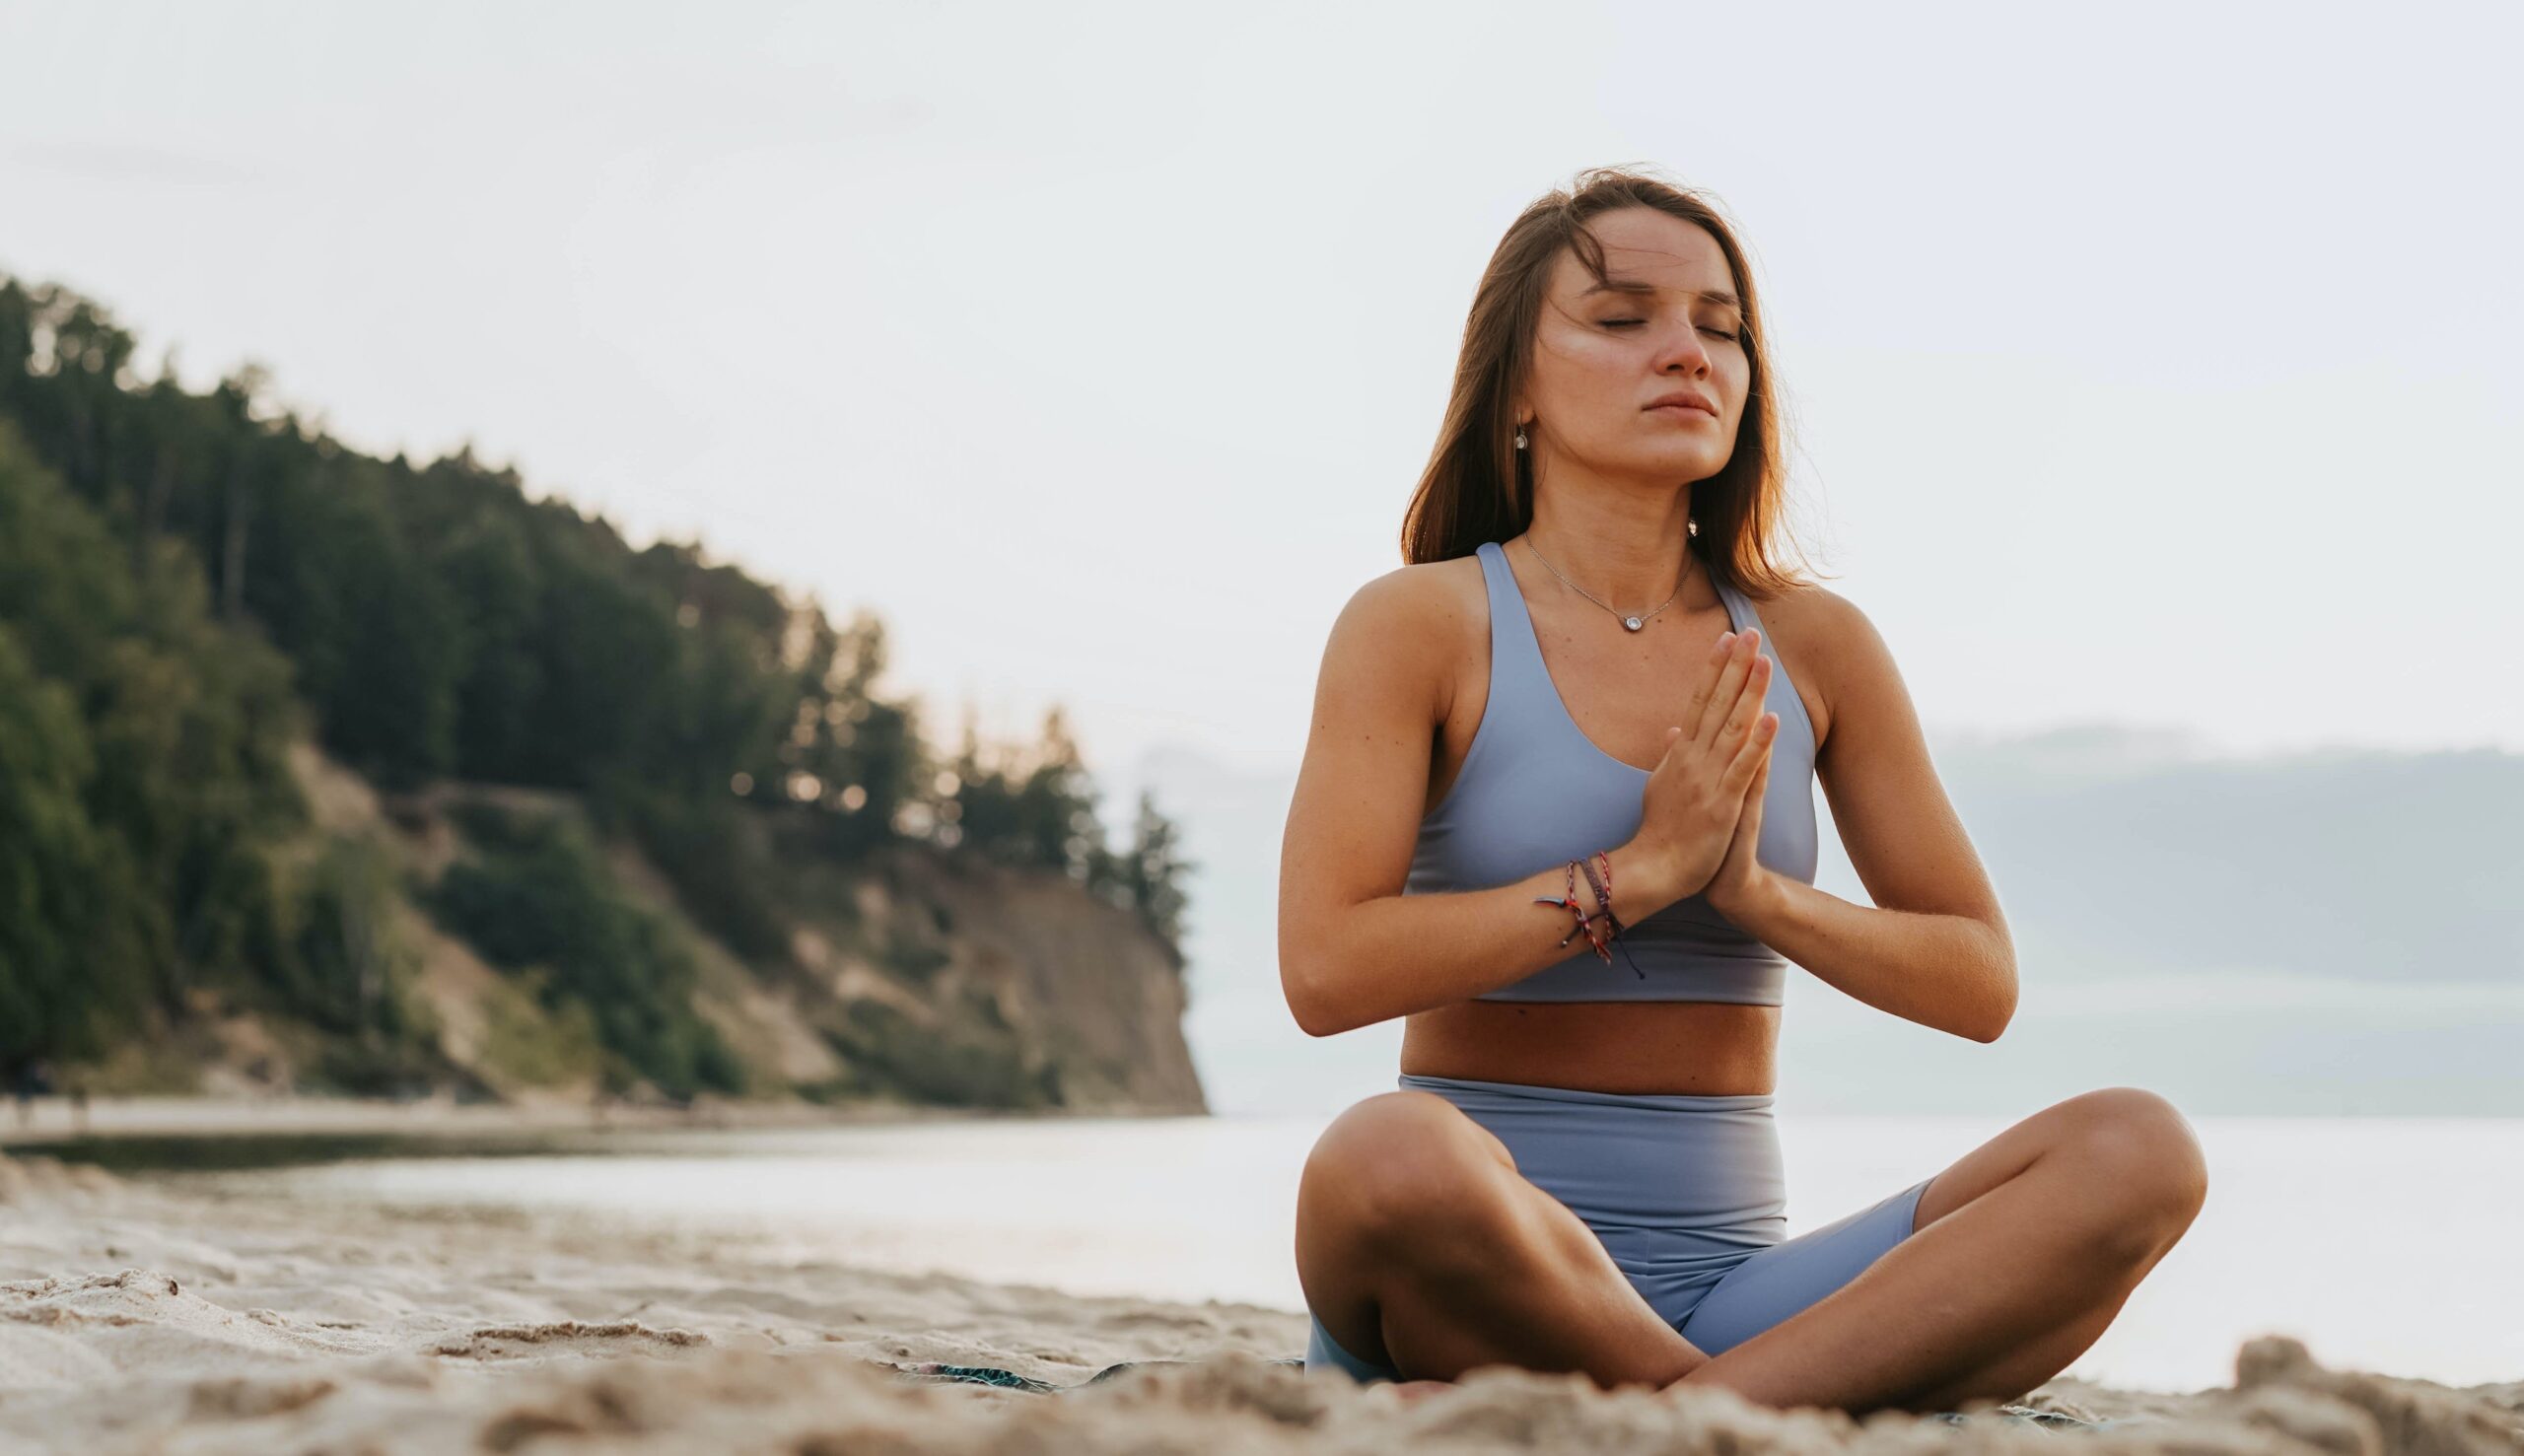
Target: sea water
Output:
[(2393, 1245)]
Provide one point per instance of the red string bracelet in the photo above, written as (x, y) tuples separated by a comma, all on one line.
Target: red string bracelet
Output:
[(1603, 889), (1569, 902), (1585, 924)]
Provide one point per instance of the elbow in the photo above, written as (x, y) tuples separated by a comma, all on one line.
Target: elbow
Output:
[(1999, 1008), (1316, 1015), (1310, 976), (2000, 1011), (1312, 1020), (1992, 1028)]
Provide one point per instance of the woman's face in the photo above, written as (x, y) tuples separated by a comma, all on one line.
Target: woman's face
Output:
[(1616, 367)]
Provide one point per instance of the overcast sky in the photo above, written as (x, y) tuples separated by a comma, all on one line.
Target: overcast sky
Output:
[(2155, 364)]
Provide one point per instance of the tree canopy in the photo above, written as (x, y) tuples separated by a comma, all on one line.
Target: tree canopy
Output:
[(189, 580)]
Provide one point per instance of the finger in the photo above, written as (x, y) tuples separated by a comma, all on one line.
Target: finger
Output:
[(1751, 757), (1730, 682), (1748, 808), (1707, 681), (1735, 723), (1748, 824), (1749, 702), (1757, 749), (1665, 750)]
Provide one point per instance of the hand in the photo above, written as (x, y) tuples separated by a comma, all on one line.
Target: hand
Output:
[(1740, 875), (1695, 795)]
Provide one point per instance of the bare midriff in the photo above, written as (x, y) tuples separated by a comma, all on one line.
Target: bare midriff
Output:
[(1704, 1048)]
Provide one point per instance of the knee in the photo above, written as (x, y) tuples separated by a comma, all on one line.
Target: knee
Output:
[(2145, 1162), (1403, 1167)]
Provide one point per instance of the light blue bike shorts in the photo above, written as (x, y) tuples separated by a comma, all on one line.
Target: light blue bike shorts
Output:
[(1687, 1193)]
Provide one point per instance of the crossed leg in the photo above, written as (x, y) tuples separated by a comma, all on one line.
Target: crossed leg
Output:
[(1420, 1247), (1418, 1244)]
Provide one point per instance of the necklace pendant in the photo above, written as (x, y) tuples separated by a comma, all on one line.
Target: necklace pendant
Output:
[(1632, 623)]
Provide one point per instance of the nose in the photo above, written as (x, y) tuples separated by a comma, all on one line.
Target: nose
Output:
[(1682, 351)]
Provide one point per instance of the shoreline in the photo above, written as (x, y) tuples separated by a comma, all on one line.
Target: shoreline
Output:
[(138, 1316), (55, 1120)]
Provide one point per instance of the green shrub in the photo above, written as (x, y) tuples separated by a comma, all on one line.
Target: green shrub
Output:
[(540, 896)]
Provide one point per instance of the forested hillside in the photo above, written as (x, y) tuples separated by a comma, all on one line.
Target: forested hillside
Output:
[(209, 609)]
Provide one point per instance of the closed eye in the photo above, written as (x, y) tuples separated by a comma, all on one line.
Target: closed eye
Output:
[(1635, 322)]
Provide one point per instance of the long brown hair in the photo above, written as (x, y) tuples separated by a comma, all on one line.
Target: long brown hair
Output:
[(1478, 487)]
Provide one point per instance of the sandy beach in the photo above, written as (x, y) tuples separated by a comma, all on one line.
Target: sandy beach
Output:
[(139, 1317)]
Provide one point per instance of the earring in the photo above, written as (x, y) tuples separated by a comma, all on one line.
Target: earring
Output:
[(1691, 524), (1521, 437)]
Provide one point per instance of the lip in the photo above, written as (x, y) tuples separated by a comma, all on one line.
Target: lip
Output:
[(1684, 400)]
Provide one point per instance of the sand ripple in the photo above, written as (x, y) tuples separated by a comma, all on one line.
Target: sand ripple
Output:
[(136, 1317)]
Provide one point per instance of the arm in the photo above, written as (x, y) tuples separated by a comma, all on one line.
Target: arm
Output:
[(1353, 948), (1934, 949)]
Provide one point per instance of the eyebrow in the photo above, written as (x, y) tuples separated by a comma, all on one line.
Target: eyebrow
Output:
[(1649, 290)]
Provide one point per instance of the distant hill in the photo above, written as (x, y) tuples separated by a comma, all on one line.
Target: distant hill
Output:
[(2359, 866), (2316, 933), (345, 773)]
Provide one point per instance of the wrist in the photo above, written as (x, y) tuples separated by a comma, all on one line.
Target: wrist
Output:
[(1749, 901), (1644, 881)]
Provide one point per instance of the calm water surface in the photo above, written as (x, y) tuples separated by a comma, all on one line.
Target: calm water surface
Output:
[(2386, 1244)]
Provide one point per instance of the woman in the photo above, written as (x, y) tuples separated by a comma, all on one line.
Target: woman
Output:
[(1556, 811)]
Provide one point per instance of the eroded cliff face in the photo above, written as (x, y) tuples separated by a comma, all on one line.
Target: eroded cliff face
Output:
[(912, 977), (970, 983)]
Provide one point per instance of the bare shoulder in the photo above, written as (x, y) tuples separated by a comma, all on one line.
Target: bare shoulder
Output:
[(1388, 677), (1830, 649), (1413, 625), (1427, 594), (1820, 620)]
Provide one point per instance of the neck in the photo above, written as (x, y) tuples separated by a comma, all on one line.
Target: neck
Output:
[(1624, 544)]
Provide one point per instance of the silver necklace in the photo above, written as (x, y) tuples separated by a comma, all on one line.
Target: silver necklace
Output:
[(1634, 623)]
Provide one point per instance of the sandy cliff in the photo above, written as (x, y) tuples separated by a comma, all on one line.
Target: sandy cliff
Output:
[(910, 976)]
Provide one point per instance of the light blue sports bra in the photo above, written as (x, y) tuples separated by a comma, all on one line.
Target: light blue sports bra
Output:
[(1535, 793)]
